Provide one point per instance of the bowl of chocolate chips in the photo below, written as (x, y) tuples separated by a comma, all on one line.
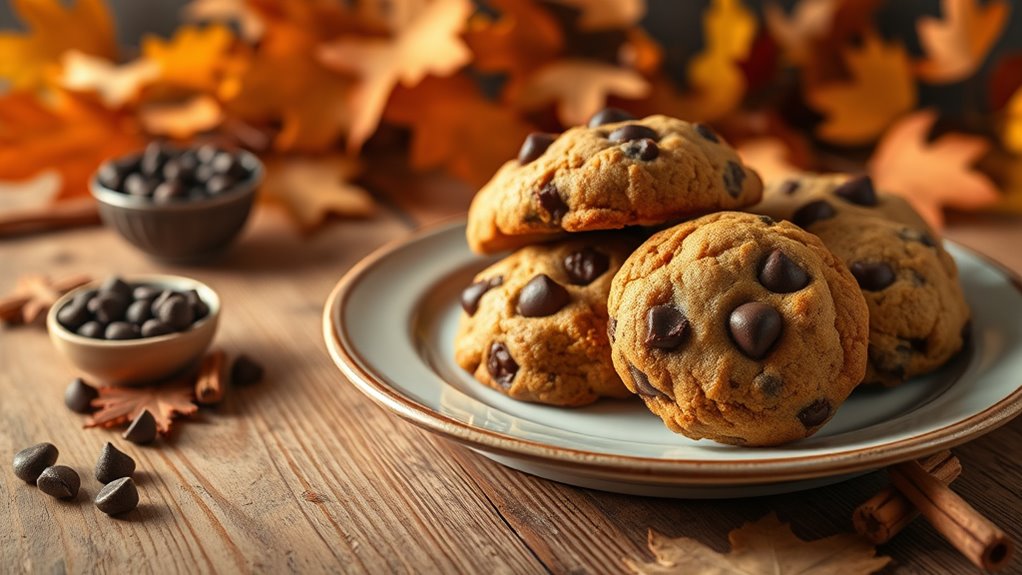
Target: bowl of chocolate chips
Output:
[(178, 204), (134, 331)]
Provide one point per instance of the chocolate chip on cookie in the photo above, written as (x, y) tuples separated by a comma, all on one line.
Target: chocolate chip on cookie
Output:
[(872, 276), (501, 365), (789, 187), (666, 327), (755, 327), (471, 295), (631, 132), (644, 149), (858, 191), (642, 384), (551, 201), (534, 145), (707, 132), (780, 274), (815, 413), (585, 265), (734, 178), (813, 212), (609, 116)]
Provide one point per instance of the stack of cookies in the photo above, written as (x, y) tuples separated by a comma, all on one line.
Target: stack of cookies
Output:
[(738, 327)]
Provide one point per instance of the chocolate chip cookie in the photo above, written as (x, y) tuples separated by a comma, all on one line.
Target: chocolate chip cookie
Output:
[(738, 328), (614, 173), (535, 323)]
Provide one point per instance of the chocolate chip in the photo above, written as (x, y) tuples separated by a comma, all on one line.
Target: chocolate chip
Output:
[(108, 306), (768, 384), (766, 220), (59, 481), (176, 312), (611, 329), (501, 365), (813, 212), (220, 183), (199, 308), (79, 395), (119, 496), (666, 327), (145, 292), (111, 174), (872, 276), (911, 235), (541, 297), (815, 413), (789, 187), (152, 159), (31, 461), (93, 329), (113, 464), (858, 191), (206, 152), (74, 315), (224, 163), (644, 149), (160, 300), (170, 191), (707, 132), (116, 285), (138, 312), (755, 327), (471, 295), (551, 201), (642, 385), (534, 145), (154, 328), (179, 171), (120, 330), (136, 184), (734, 177), (143, 429), (780, 274), (609, 116), (630, 132), (245, 371), (585, 265)]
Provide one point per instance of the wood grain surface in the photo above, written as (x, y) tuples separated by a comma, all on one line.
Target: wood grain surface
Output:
[(301, 473)]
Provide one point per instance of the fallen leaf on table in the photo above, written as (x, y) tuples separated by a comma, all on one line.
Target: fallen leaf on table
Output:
[(116, 85), (766, 546), (580, 88), (769, 157), (429, 44), (809, 21), (119, 405), (194, 58), (455, 127), (957, 44), (311, 188), (53, 28), (249, 22), (931, 175), (605, 14), (881, 90), (181, 119), (33, 296)]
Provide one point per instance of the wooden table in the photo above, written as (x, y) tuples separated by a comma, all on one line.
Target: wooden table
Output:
[(301, 473)]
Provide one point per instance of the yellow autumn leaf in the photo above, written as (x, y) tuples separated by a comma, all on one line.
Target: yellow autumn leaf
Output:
[(809, 20), (607, 14), (311, 188), (115, 84), (957, 44), (881, 89), (194, 58), (580, 88), (729, 29), (53, 29)]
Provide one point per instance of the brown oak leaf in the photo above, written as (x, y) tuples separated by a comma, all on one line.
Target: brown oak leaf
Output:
[(313, 187), (957, 44), (766, 546), (119, 405)]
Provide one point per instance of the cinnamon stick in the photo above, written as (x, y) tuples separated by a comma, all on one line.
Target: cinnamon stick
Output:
[(973, 535), (885, 514), (65, 214), (209, 385)]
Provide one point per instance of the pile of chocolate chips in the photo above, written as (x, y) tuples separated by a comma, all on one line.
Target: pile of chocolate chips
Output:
[(37, 465), (121, 311), (166, 174)]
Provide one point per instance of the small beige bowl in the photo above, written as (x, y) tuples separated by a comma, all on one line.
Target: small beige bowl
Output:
[(137, 361)]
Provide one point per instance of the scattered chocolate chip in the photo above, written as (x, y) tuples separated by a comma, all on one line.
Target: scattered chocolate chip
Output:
[(59, 481), (120, 330), (872, 276), (768, 384), (541, 297), (630, 132), (154, 328), (585, 265), (609, 116), (534, 145), (755, 327), (644, 149), (74, 314), (789, 187), (780, 274), (245, 371), (551, 201), (766, 220), (812, 212), (92, 329), (666, 327), (734, 178), (113, 464), (815, 413), (145, 292), (143, 429), (501, 365), (858, 191), (176, 312), (707, 132), (118, 496), (108, 306), (912, 235), (79, 395), (642, 385), (138, 312), (471, 295), (31, 461), (611, 329)]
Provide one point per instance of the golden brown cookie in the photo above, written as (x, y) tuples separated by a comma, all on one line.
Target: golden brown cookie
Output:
[(535, 323), (608, 176), (739, 329)]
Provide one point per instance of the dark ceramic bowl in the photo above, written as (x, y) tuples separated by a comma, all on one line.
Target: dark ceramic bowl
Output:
[(181, 231)]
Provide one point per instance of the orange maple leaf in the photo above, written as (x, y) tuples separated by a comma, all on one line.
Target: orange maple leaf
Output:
[(931, 175), (311, 188), (427, 44), (53, 29), (580, 88), (957, 45), (809, 21), (194, 58), (119, 405)]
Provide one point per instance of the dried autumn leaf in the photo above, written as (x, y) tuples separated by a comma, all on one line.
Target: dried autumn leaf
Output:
[(53, 29), (931, 175), (607, 14), (119, 405), (766, 546), (957, 45), (881, 90), (429, 44), (181, 120), (809, 21), (580, 88), (115, 84), (194, 58), (249, 22), (311, 188)]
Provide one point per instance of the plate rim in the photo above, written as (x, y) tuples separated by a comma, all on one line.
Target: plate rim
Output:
[(686, 471)]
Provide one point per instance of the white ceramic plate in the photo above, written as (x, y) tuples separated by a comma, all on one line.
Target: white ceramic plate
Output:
[(389, 326)]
